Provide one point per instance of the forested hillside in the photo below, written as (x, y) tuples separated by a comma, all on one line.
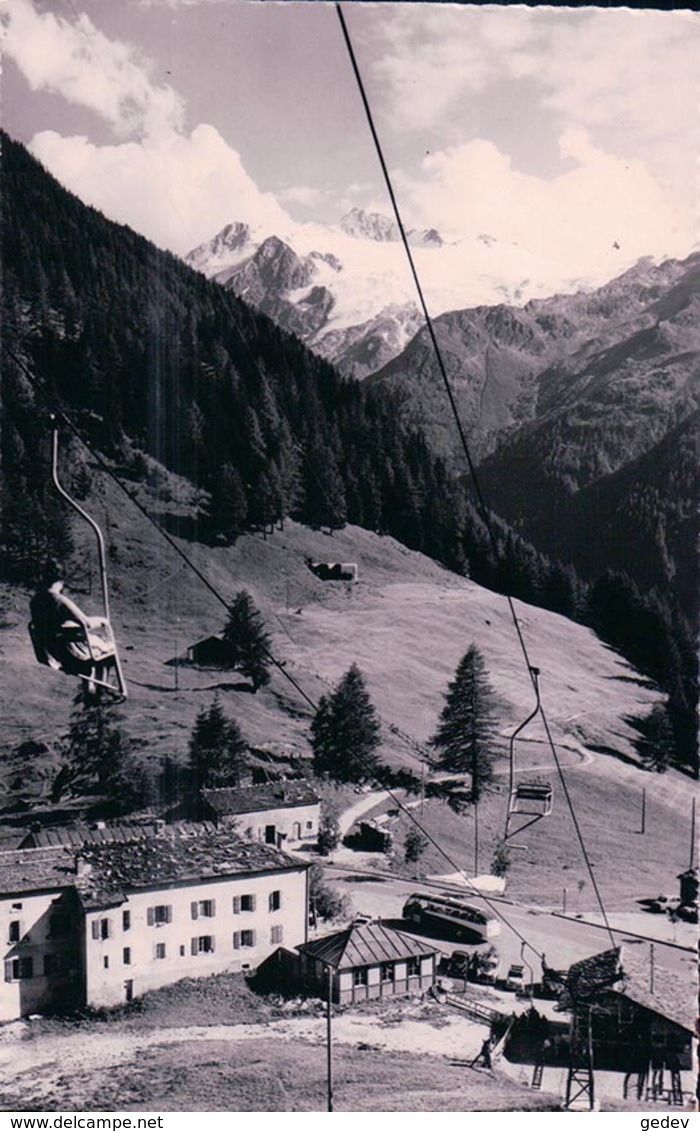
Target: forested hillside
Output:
[(149, 358)]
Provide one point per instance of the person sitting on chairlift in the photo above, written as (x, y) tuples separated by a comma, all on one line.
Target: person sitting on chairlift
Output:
[(62, 633)]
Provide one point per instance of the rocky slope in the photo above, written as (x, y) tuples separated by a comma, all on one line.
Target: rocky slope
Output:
[(347, 291)]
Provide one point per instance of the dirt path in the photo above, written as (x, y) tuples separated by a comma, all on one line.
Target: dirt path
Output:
[(84, 1050)]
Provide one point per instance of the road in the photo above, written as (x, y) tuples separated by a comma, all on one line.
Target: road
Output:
[(563, 941)]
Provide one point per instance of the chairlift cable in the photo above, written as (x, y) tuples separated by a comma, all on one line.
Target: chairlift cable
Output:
[(463, 440)]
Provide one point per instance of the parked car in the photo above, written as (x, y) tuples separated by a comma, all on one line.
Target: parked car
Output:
[(515, 978)]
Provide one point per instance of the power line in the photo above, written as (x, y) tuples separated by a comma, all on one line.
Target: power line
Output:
[(485, 514)]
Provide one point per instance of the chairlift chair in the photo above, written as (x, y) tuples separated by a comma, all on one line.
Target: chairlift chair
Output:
[(85, 648), (529, 799)]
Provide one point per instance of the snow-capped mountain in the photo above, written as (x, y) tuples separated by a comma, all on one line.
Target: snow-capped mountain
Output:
[(347, 290)]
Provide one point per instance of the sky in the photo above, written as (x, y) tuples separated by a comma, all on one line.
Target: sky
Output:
[(566, 131)]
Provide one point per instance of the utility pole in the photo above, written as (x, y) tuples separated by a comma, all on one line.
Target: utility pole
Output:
[(692, 834), (329, 1046), (651, 968), (644, 810), (476, 839), (422, 792)]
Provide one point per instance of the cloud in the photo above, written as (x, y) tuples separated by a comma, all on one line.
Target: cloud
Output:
[(574, 218), (304, 195), (627, 75), (79, 62), (177, 190)]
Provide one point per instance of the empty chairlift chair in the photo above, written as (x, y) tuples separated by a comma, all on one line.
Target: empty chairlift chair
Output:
[(528, 801)]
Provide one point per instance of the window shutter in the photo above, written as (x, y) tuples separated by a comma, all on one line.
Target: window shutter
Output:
[(270, 902), (8, 969), (252, 938), (236, 905), (194, 909), (155, 950), (195, 946), (95, 928), (151, 916), (213, 943), (109, 928), (213, 907), (169, 914), (253, 901), (236, 946)]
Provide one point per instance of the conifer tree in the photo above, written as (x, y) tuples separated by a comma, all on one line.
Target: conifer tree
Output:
[(217, 749), (249, 644), (463, 737), (345, 732), (95, 748)]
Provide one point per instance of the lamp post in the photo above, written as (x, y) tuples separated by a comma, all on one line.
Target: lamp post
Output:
[(329, 1038)]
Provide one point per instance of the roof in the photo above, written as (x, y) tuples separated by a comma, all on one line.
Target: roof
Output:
[(106, 873), (111, 871), (629, 974), (254, 798), (81, 833), (673, 997), (591, 976), (365, 945), (36, 869)]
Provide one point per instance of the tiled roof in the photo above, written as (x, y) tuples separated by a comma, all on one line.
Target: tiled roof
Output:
[(112, 870), (591, 976), (629, 973), (80, 833), (36, 869), (253, 798), (672, 998), (365, 945)]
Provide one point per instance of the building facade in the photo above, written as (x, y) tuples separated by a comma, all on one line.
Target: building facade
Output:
[(276, 813), (102, 924)]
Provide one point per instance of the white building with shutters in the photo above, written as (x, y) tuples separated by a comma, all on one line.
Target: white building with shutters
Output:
[(102, 924)]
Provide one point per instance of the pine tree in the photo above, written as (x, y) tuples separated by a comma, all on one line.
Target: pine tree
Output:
[(217, 749), (345, 732), (656, 745), (95, 749), (466, 726), (249, 644)]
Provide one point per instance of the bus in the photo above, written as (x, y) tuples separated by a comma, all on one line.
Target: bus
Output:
[(452, 916)]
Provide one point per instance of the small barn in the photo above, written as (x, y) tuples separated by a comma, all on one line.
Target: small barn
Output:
[(334, 571), (367, 961), (212, 652)]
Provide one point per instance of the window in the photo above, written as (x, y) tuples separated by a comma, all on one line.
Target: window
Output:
[(158, 916), (204, 944), (359, 976), (243, 939), (101, 928), (243, 903), (59, 925), (126, 920), (159, 950), (309, 824), (204, 909), (182, 952), (16, 969), (413, 967), (270, 834), (275, 900), (126, 956), (105, 962), (276, 935), (387, 972), (16, 906), (15, 930)]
